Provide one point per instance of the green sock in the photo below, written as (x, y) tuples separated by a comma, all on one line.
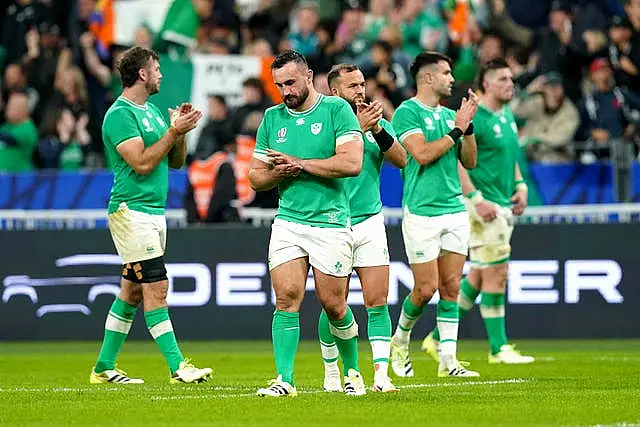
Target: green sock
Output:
[(285, 333), (116, 329), (447, 321), (345, 332), (408, 317), (161, 330), (466, 299), (327, 345), (379, 330), (492, 311)]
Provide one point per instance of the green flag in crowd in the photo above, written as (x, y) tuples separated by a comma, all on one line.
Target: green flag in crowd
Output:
[(179, 29)]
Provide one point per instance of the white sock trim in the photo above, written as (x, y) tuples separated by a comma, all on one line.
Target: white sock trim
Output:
[(116, 325), (161, 328), (491, 312)]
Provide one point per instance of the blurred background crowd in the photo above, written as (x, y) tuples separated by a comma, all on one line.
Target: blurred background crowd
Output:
[(576, 65)]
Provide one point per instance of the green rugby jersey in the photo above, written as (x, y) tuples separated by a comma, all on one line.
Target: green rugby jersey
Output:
[(498, 146), (123, 121), (364, 189), (433, 189), (312, 134)]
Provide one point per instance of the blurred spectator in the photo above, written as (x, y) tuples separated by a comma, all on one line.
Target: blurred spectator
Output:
[(254, 100), (18, 136), (377, 18), (15, 81), (623, 55), (350, 37), (422, 27), (602, 112), (21, 16), (45, 61), (551, 120), (217, 132), (258, 47), (211, 189), (143, 37), (328, 49), (304, 40), (389, 75), (321, 84), (268, 22), (66, 142)]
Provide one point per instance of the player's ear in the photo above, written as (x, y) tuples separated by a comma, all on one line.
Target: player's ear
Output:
[(310, 75), (334, 91), (142, 74)]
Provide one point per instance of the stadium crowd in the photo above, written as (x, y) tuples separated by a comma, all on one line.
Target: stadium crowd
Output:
[(576, 65)]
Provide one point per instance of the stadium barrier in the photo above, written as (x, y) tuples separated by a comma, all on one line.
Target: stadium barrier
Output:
[(566, 281)]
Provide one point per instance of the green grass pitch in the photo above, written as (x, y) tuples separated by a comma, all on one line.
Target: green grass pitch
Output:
[(573, 383)]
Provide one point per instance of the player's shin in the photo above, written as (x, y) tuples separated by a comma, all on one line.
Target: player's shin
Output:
[(466, 300), (379, 330), (116, 329), (492, 311), (285, 333), (447, 321), (328, 346), (345, 332), (408, 317), (161, 329)]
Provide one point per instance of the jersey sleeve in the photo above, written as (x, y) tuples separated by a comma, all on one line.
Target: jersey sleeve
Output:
[(120, 126), (405, 123), (262, 142), (346, 123)]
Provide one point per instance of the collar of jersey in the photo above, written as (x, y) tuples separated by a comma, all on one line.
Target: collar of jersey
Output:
[(500, 112), (311, 109), (425, 106), (133, 104)]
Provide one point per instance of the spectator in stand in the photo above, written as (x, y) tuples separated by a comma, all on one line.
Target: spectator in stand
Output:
[(328, 49), (254, 100), (602, 113), (390, 75), (377, 18), (66, 142), (350, 36), (551, 119), (21, 16), (18, 136), (422, 27), (304, 39), (45, 61), (624, 57), (217, 132), (15, 81)]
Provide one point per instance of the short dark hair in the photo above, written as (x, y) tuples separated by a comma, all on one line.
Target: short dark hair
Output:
[(287, 56), (253, 82), (384, 45), (427, 58), (219, 98), (132, 61), (337, 70), (494, 64)]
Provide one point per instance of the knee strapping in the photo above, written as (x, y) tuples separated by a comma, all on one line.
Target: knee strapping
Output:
[(147, 271), (346, 333)]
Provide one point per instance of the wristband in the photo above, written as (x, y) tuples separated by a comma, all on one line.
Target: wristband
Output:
[(469, 130), (455, 134), (384, 140), (475, 197), (521, 185)]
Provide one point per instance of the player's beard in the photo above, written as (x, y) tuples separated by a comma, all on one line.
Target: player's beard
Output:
[(152, 88), (293, 101)]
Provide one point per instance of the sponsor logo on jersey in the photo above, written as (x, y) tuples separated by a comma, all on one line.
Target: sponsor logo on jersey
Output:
[(316, 128), (514, 128), (300, 121), (497, 130), (161, 122), (281, 135)]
